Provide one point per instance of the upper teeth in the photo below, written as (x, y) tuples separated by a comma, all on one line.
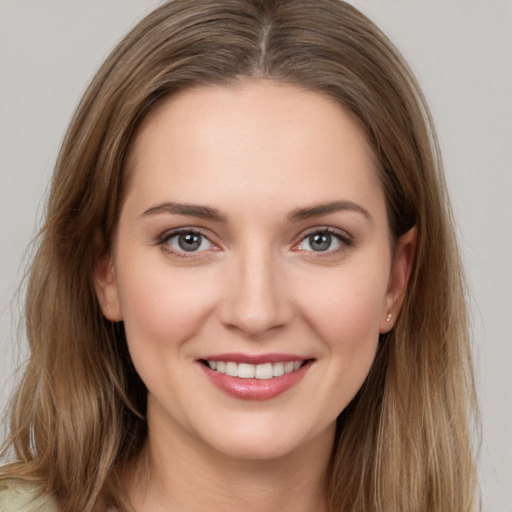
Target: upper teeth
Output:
[(254, 371)]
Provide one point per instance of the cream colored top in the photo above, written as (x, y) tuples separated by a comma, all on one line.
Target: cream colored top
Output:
[(19, 496)]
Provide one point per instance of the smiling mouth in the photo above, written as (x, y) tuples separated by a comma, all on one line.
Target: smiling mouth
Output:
[(263, 371)]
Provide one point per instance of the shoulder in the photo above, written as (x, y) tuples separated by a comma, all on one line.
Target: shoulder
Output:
[(20, 496)]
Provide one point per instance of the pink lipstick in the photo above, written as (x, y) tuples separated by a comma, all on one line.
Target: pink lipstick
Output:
[(255, 377)]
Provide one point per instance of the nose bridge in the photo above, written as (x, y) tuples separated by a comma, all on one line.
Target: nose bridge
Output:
[(255, 298)]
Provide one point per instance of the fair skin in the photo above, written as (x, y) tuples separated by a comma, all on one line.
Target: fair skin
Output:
[(284, 255)]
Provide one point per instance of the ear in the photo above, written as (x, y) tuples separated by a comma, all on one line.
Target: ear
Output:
[(105, 285), (398, 279)]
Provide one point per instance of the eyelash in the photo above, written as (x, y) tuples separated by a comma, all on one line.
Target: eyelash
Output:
[(345, 240), (164, 239)]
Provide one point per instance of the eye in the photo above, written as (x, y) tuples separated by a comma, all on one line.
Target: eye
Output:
[(187, 241), (324, 240)]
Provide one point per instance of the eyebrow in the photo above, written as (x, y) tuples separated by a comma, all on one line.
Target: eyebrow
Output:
[(206, 212), (189, 210), (326, 208)]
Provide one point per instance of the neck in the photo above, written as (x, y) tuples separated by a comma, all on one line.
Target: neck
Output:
[(182, 475)]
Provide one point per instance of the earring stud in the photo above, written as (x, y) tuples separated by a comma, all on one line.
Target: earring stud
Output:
[(388, 318)]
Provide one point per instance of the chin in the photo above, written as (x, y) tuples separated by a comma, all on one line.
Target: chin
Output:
[(257, 450), (257, 443)]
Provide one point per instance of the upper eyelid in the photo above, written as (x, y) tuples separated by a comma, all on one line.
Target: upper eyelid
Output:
[(176, 231), (326, 229)]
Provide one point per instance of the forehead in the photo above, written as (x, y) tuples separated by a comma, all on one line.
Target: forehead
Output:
[(258, 138)]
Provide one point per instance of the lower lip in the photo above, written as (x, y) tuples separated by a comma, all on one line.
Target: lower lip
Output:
[(255, 389)]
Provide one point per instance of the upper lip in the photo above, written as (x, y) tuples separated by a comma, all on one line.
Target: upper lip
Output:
[(255, 358)]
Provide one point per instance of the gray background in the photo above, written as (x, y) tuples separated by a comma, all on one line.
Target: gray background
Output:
[(461, 51)]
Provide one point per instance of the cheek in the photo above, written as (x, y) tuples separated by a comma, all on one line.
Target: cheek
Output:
[(341, 307), (346, 306), (163, 305)]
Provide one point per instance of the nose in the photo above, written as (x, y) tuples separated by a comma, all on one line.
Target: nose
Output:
[(256, 296)]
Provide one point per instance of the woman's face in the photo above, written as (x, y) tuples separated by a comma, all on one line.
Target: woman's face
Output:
[(252, 267)]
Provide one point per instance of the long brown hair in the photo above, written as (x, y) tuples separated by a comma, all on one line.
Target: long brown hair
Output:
[(78, 416)]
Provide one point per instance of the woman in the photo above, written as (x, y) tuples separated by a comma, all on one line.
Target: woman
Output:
[(236, 303)]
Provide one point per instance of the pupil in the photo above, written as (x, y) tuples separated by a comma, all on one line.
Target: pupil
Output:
[(189, 241), (320, 241)]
